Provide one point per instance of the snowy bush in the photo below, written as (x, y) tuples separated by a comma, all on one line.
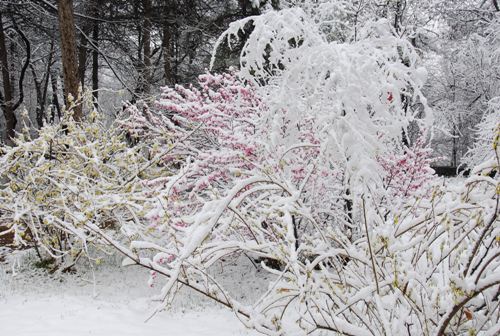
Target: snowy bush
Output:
[(408, 172), (72, 178), (487, 134), (283, 163), (426, 268)]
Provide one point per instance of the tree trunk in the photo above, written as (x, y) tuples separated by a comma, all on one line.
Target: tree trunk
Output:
[(454, 148), (495, 4), (55, 100), (41, 87), (8, 99), (167, 54), (95, 64), (69, 59), (47, 78), (248, 9), (92, 8), (82, 58), (398, 16), (38, 89), (147, 46)]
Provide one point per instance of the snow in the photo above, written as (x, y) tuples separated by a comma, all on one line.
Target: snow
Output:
[(81, 315), (37, 304)]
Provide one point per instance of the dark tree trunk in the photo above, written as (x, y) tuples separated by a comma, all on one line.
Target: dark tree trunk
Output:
[(398, 16), (41, 87), (94, 29), (248, 9), (497, 7), (56, 107), (147, 46), (167, 53), (47, 77), (69, 58), (92, 8), (95, 64), (38, 89), (454, 148), (8, 99), (82, 58)]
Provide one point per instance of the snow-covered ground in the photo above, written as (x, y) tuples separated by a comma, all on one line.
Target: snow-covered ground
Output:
[(34, 303)]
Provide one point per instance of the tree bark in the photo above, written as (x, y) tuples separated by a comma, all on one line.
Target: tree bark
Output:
[(495, 4), (8, 99), (398, 16), (41, 87), (69, 58), (47, 75), (38, 89), (454, 148), (147, 46), (92, 9), (248, 9), (55, 100), (167, 53), (95, 54), (82, 58), (95, 64)]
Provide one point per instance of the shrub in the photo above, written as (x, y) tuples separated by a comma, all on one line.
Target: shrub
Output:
[(68, 180)]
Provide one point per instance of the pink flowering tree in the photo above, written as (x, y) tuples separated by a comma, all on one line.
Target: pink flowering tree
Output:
[(217, 121), (409, 172)]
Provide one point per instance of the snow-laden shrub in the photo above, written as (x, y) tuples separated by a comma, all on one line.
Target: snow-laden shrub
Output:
[(487, 135), (216, 122), (408, 172), (317, 126), (427, 268), (325, 115), (70, 180)]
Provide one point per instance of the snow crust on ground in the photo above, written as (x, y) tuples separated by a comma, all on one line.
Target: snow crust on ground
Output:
[(34, 303)]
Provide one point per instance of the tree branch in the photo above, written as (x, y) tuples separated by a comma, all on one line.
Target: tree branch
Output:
[(24, 68)]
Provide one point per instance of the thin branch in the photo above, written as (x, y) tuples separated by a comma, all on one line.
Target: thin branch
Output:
[(24, 68), (369, 245)]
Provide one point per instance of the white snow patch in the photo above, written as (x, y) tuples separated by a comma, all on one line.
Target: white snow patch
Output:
[(35, 304)]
